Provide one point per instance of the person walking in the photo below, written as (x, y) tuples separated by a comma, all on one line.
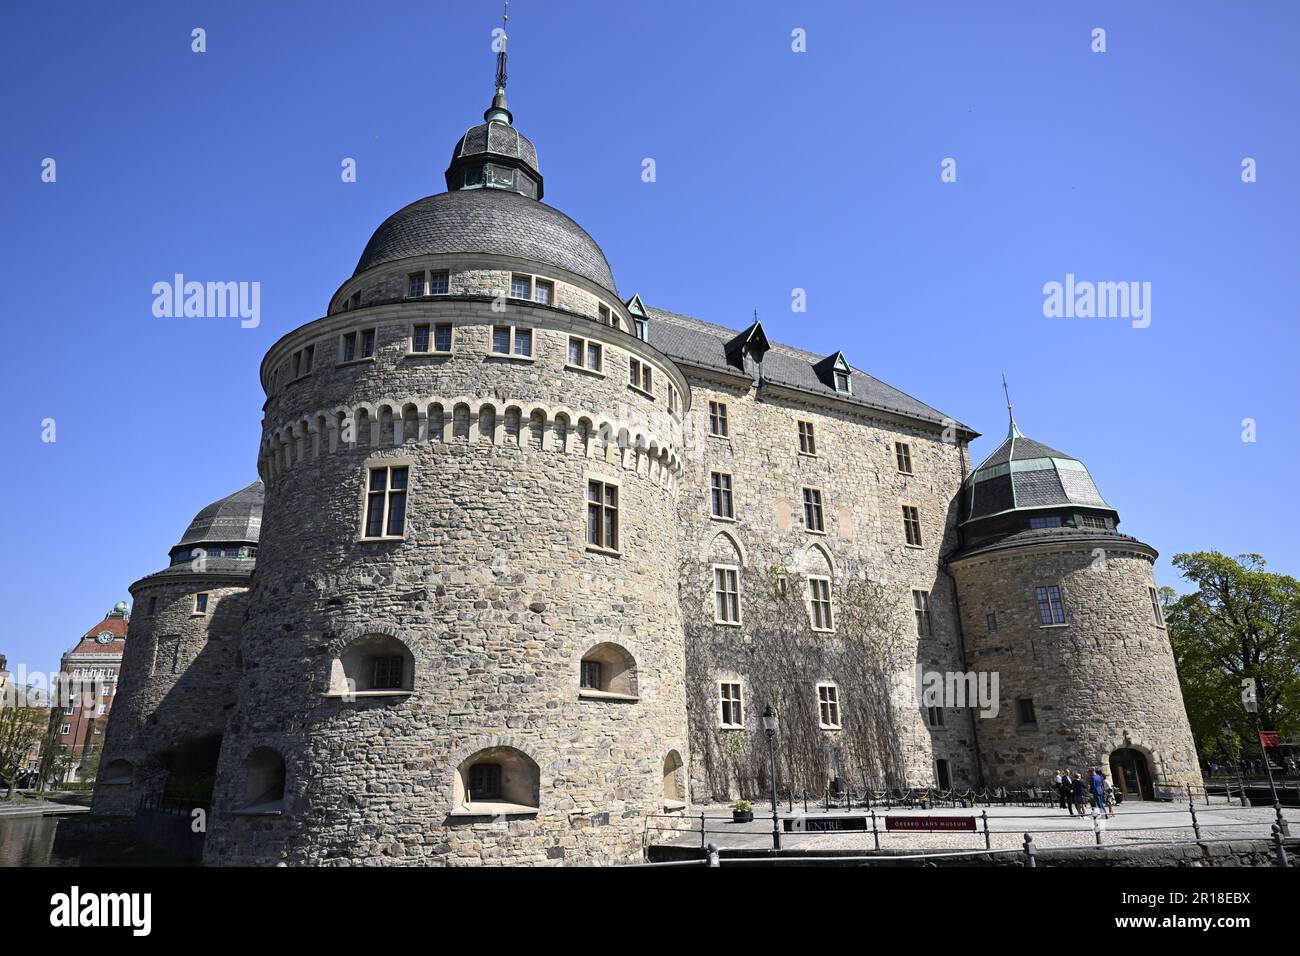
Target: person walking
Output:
[(1079, 790), (1067, 792), (1098, 791)]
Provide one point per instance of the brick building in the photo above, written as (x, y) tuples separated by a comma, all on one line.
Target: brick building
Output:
[(83, 697)]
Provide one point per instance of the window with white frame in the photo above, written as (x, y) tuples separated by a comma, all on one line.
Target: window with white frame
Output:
[(431, 337), (726, 594), (807, 440), (585, 354), (1051, 610), (921, 609), (819, 596), (639, 375), (812, 510), (718, 419), (828, 706), (356, 345), (201, 603), (415, 283), (640, 329), (731, 713), (720, 495), (439, 282), (672, 398), (512, 340), (602, 515), (386, 501), (521, 287), (544, 292), (66, 729)]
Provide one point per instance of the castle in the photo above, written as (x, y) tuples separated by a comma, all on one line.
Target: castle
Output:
[(532, 557)]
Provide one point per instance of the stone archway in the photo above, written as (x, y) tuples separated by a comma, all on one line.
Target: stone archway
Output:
[(1130, 774)]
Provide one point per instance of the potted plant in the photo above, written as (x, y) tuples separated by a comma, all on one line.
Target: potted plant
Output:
[(742, 811)]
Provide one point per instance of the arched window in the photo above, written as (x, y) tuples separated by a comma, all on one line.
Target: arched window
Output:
[(263, 782), (674, 782), (496, 781), (607, 672), (377, 665), (117, 772)]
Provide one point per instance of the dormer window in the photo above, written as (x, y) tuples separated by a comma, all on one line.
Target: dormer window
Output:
[(842, 383), (834, 372)]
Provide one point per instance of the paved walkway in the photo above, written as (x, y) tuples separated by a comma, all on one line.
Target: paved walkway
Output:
[(1133, 823), (21, 806)]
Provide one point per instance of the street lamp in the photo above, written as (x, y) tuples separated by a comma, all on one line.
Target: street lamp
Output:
[(769, 728), (1232, 755), (1252, 707)]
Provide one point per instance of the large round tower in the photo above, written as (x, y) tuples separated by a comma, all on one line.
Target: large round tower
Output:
[(464, 642), (1064, 610), (180, 663)]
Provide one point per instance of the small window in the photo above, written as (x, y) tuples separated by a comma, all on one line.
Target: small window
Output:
[(912, 525), (590, 675), (415, 285), (603, 312), (521, 287), (721, 495), (355, 301), (638, 376), (921, 608), (782, 587), (65, 729), (640, 329), (354, 346), (386, 502), (991, 620), (903, 452), (828, 706), (200, 604), (442, 337), (819, 592), (718, 419), (1052, 521), (934, 715), (1025, 710), (153, 606), (726, 595), (730, 707), (942, 775), (807, 443), (602, 515), (812, 510), (1050, 608), (672, 398), (544, 292), (610, 670), (439, 283), (510, 340), (585, 354), (101, 710), (842, 383), (1156, 609), (420, 338), (386, 672), (1096, 521), (485, 781)]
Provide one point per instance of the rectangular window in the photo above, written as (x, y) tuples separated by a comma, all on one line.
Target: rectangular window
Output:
[(153, 606), (367, 343), (718, 419), (828, 706), (523, 342), (912, 525), (807, 443), (819, 593), (721, 495), (672, 398), (730, 707), (415, 285), (439, 283), (590, 677), (942, 775), (1095, 521), (509, 340), (65, 729), (602, 515), (603, 312), (544, 292), (420, 338), (842, 383), (1050, 608), (812, 510), (1025, 710), (99, 711), (355, 301), (521, 287), (726, 595), (640, 329), (585, 354), (200, 604), (386, 673), (1156, 609), (576, 351), (594, 356), (935, 716), (903, 452), (991, 620), (921, 608), (485, 781), (1048, 522), (386, 502), (638, 376), (442, 337)]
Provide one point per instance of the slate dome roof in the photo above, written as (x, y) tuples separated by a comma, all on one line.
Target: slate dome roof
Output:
[(494, 221), (1024, 474), (234, 519), (499, 139)]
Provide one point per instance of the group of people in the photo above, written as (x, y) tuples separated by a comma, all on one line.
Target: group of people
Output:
[(1078, 790)]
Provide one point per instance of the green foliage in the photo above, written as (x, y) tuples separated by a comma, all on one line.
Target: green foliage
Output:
[(1241, 621), (20, 728)]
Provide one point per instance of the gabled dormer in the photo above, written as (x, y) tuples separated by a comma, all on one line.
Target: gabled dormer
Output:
[(834, 372), (752, 342), (640, 317)]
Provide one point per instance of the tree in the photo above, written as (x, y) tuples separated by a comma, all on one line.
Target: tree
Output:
[(20, 727), (1242, 621)]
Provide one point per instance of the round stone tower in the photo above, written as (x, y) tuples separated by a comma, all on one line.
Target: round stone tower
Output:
[(180, 663), (464, 642), (1064, 610)]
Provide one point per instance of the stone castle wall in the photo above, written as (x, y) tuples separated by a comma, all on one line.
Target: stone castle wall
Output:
[(1103, 680), (493, 592), (178, 676)]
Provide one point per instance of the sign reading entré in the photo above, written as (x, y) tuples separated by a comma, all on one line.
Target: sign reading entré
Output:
[(929, 823)]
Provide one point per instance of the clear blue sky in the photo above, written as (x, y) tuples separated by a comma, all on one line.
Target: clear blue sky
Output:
[(775, 170)]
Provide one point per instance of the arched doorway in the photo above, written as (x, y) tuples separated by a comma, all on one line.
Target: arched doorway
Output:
[(1130, 774)]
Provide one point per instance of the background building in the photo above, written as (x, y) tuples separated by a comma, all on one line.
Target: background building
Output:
[(83, 697)]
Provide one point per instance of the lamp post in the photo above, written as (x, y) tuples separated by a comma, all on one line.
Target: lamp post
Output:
[(1232, 755), (1252, 707), (769, 728)]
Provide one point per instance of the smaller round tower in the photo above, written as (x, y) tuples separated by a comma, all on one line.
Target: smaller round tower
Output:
[(180, 666), (1064, 610)]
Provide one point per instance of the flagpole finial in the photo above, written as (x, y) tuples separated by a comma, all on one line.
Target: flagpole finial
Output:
[(497, 111), (1012, 430)]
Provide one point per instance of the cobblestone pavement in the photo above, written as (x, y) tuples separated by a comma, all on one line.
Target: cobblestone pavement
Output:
[(1133, 823)]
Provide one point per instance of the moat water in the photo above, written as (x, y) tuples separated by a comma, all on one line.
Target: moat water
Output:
[(29, 841)]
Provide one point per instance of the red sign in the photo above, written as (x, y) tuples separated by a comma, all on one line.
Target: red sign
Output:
[(929, 823), (1268, 738)]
